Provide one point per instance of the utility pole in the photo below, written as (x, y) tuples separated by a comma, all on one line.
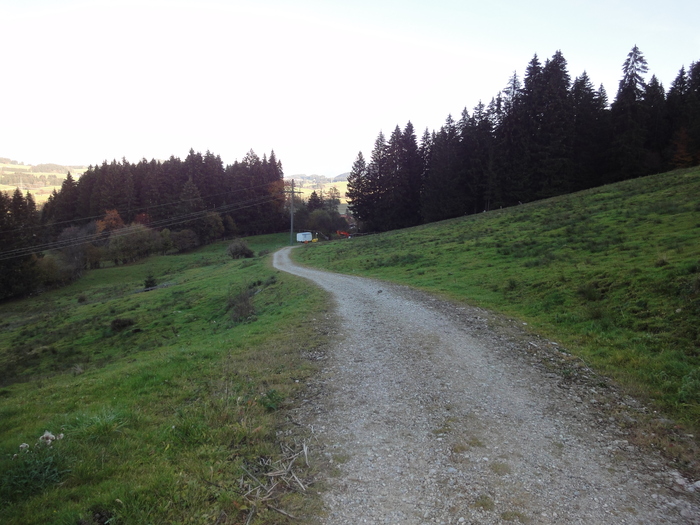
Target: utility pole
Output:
[(291, 210)]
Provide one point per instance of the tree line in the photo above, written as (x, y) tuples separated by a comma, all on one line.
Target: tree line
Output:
[(118, 212), (543, 136), (28, 178)]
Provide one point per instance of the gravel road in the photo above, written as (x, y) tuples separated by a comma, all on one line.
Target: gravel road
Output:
[(432, 412)]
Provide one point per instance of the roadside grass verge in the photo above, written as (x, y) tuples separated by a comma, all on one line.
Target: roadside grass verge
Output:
[(612, 273), (168, 418)]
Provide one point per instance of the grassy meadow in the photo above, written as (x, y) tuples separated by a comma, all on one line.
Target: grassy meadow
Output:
[(40, 193), (308, 187), (612, 273), (168, 400)]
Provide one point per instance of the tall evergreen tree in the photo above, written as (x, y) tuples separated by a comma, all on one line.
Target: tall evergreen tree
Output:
[(590, 134), (554, 172), (628, 117), (377, 183), (411, 169), (359, 193), (657, 131), (693, 110), (444, 192), (315, 202)]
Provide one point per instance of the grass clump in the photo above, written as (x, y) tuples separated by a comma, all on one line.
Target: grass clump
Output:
[(31, 471), (484, 502)]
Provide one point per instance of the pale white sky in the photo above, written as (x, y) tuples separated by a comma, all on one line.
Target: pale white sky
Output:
[(87, 81)]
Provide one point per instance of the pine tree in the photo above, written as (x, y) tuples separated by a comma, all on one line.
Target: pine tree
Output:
[(590, 134), (411, 170), (443, 194), (628, 118), (191, 210), (554, 171), (358, 193), (694, 111), (377, 183), (632, 84), (315, 202), (657, 132)]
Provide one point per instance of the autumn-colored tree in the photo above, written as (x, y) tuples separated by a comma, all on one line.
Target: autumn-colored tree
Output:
[(112, 221)]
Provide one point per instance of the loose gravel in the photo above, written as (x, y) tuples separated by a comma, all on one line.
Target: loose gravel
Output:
[(432, 412)]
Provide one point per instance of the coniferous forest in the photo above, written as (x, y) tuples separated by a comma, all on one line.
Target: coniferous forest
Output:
[(119, 212), (541, 136)]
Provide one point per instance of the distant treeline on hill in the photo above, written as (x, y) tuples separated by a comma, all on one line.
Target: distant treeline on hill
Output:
[(538, 138), (27, 178), (120, 212)]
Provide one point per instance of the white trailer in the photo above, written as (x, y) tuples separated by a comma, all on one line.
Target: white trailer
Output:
[(304, 237)]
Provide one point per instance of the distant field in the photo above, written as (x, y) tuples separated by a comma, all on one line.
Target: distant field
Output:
[(40, 193), (308, 188)]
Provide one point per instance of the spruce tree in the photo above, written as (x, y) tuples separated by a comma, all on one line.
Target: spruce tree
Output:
[(656, 124), (443, 194), (590, 134), (411, 169), (628, 118), (314, 202), (554, 171), (358, 194)]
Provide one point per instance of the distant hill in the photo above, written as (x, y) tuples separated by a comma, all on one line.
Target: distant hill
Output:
[(322, 179), (39, 179)]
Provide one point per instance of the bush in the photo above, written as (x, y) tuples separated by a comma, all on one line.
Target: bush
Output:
[(184, 240), (150, 281), (119, 324), (238, 249), (240, 303)]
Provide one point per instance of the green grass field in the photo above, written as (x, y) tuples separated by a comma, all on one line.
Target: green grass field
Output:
[(40, 194), (169, 400), (612, 273)]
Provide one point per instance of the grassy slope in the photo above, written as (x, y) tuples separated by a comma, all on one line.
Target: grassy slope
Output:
[(160, 418), (613, 273), (41, 195)]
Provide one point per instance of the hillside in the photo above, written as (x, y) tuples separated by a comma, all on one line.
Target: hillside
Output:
[(39, 180), (611, 273), (166, 398), (307, 184)]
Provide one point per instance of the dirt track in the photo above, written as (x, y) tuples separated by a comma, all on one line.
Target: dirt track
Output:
[(430, 414)]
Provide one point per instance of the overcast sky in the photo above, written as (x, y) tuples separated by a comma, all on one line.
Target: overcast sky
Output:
[(88, 81)]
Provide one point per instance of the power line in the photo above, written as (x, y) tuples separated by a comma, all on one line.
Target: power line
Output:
[(165, 223), (150, 207)]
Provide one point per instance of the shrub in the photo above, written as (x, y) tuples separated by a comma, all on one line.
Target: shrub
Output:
[(184, 240), (241, 305), (150, 281), (119, 324), (238, 249), (589, 292)]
